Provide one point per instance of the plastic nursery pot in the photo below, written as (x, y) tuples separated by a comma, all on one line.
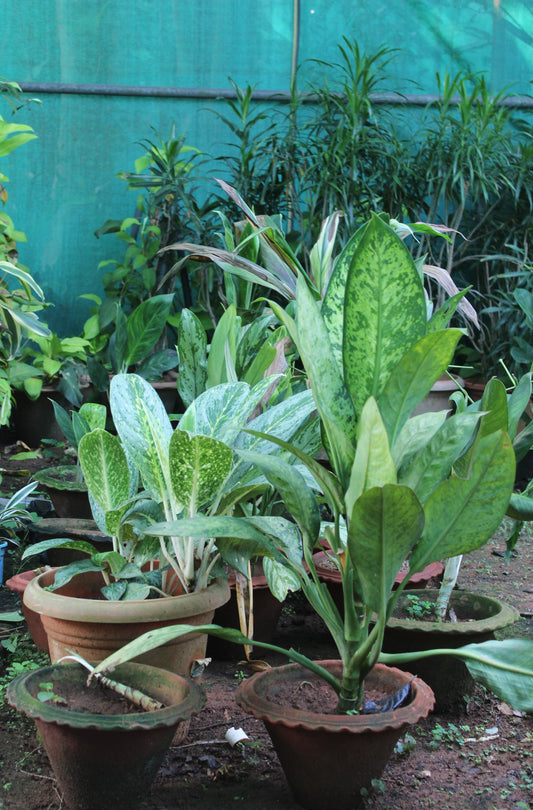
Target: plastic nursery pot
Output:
[(68, 495), (77, 617), (478, 618), (18, 584), (100, 760), (329, 759)]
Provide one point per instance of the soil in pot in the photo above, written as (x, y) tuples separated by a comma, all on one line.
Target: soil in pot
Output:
[(330, 760), (104, 759), (478, 618)]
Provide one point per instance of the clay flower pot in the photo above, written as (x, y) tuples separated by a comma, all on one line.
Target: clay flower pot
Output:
[(68, 495), (478, 619), (18, 584), (329, 758), (100, 760), (77, 617), (332, 577)]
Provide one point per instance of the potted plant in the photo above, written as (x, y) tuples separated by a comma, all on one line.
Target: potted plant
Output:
[(105, 739), (393, 493), (188, 470)]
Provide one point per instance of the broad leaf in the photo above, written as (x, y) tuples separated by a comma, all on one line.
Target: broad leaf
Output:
[(198, 465), (413, 375), (144, 327), (280, 579), (192, 350), (385, 525), (384, 311), (105, 469), (373, 465), (463, 513), (144, 429)]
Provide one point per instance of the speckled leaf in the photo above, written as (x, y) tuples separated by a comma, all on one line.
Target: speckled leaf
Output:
[(386, 523), (105, 469), (412, 377), (331, 395), (222, 411), (384, 312), (199, 465), (373, 465), (144, 428), (333, 303), (463, 513), (192, 350)]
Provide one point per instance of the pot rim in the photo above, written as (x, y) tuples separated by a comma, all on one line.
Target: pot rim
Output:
[(192, 701), (504, 616), (249, 698), (80, 609)]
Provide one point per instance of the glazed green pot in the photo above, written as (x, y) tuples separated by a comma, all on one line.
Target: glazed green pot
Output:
[(99, 760)]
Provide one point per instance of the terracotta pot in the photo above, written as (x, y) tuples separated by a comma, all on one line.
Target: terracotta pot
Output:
[(267, 610), (18, 584), (478, 619), (34, 420), (106, 761), (77, 617), (73, 529), (69, 497), (329, 758), (332, 577)]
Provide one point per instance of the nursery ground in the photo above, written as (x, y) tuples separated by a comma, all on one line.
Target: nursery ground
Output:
[(480, 758)]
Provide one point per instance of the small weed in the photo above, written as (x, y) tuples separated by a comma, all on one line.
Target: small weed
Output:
[(405, 746), (240, 676), (418, 608), (450, 736)]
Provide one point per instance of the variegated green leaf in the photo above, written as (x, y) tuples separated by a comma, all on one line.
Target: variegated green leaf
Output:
[(95, 414), (433, 463), (280, 579), (373, 465), (384, 311), (198, 465), (192, 351), (463, 513), (413, 375), (386, 523), (105, 469), (415, 434), (144, 429)]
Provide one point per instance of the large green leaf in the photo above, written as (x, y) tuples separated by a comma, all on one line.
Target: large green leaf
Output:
[(105, 468), (518, 401), (373, 465), (144, 327), (412, 377), (333, 303), (222, 411), (199, 465), (144, 429), (331, 396), (384, 311), (300, 501), (463, 513), (192, 350), (386, 523), (434, 461), (415, 434)]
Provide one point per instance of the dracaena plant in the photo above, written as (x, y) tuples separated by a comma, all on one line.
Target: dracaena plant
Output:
[(184, 472), (398, 487)]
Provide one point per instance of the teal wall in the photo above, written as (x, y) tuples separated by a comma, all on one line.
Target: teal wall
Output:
[(63, 185)]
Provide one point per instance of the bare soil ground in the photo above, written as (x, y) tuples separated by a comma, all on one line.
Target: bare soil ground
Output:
[(478, 759)]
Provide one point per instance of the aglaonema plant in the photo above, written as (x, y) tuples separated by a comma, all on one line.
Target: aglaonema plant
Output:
[(186, 472), (398, 487)]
